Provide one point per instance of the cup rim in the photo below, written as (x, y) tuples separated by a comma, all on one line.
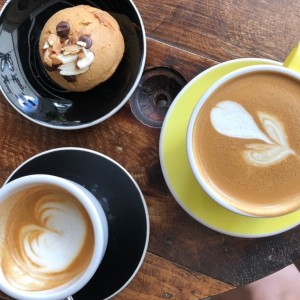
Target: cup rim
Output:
[(101, 236), (189, 139)]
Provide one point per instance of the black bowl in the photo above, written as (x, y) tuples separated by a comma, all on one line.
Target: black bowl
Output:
[(27, 86)]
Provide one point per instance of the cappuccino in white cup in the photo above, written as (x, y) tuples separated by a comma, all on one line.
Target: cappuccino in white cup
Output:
[(243, 141), (53, 236)]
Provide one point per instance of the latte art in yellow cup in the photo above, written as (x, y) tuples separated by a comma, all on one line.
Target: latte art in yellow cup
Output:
[(269, 145), (243, 141), (53, 237)]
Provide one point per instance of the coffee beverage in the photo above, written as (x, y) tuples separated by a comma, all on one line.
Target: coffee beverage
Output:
[(46, 236), (246, 142), (53, 237)]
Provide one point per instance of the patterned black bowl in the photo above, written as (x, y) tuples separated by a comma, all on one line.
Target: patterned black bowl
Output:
[(29, 89)]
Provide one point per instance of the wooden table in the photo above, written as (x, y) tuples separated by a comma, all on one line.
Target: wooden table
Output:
[(185, 260)]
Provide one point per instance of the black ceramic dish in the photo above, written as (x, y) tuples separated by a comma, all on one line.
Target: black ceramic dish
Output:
[(123, 203), (28, 88)]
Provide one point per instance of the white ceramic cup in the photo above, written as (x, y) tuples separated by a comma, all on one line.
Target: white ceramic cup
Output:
[(189, 140), (99, 224)]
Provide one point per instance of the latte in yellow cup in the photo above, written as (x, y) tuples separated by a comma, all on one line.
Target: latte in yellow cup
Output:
[(243, 141)]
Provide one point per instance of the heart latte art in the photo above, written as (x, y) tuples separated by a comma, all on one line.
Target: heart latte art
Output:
[(231, 119), (47, 238), (246, 143)]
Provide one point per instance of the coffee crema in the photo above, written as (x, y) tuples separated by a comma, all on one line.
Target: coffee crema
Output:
[(47, 238), (246, 142)]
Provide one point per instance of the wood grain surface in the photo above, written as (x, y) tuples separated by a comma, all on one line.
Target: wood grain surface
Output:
[(185, 260), (224, 30)]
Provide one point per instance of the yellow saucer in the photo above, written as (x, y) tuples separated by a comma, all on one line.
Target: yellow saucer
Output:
[(179, 177)]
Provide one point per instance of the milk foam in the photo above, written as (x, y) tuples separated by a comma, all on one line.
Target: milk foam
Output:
[(229, 118), (48, 239), (47, 245)]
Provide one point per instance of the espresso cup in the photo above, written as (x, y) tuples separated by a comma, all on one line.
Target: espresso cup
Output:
[(53, 237), (243, 141)]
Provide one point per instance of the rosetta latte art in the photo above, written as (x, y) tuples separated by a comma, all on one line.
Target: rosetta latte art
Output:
[(230, 119), (46, 240)]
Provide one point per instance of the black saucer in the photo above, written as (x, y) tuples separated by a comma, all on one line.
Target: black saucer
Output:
[(30, 90), (122, 202)]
